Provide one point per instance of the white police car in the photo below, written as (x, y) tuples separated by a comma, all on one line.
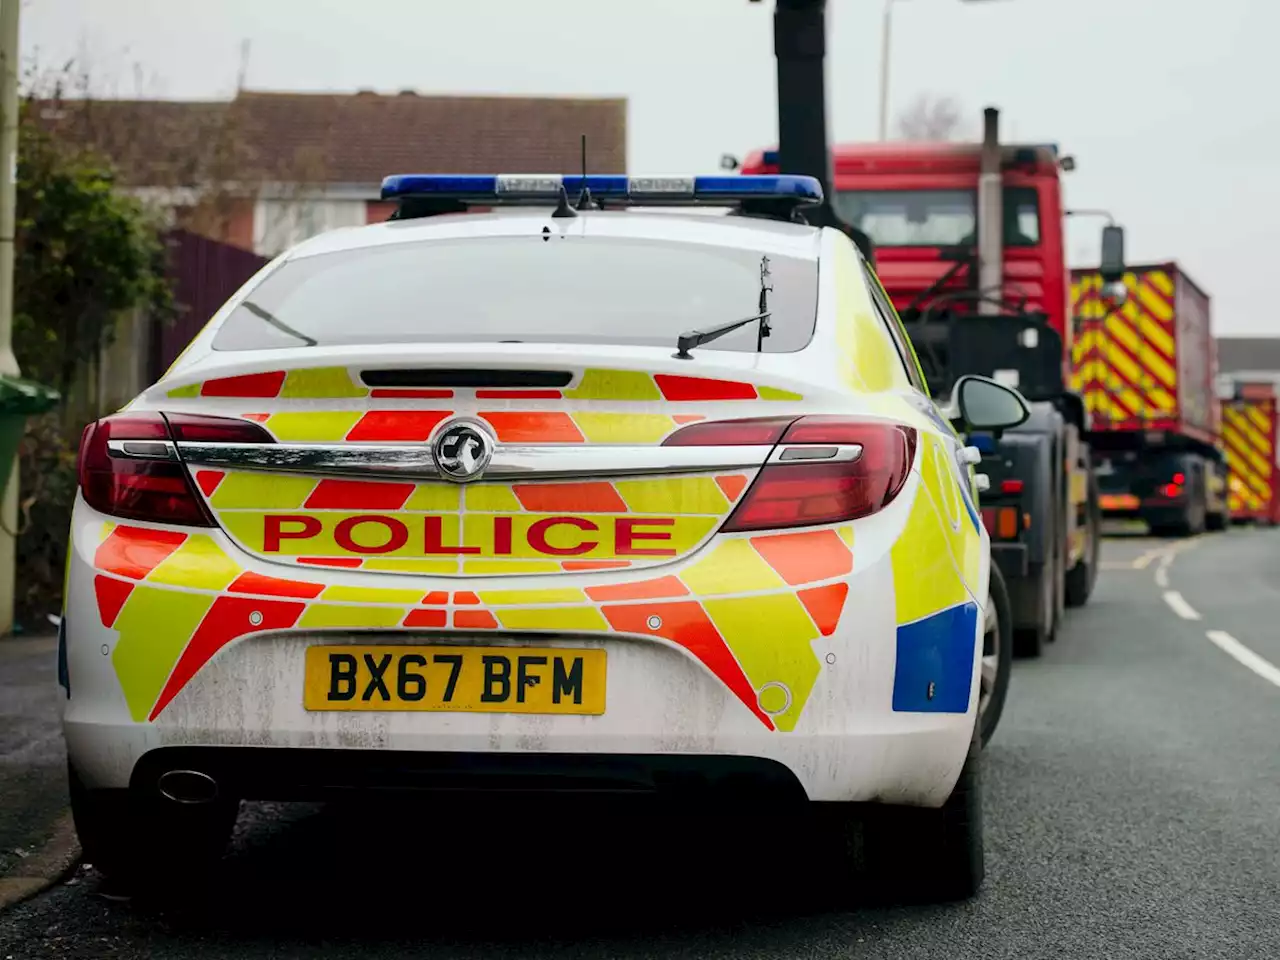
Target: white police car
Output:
[(577, 495)]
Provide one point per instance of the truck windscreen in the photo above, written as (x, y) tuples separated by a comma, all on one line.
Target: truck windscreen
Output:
[(936, 218)]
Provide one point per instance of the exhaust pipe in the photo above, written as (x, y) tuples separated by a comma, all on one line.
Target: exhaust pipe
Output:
[(187, 786)]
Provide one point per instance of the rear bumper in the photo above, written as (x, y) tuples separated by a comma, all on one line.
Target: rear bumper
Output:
[(295, 774)]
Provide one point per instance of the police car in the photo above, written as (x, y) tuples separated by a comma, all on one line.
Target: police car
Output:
[(555, 490)]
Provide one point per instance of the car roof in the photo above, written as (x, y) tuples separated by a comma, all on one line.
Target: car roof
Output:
[(760, 234)]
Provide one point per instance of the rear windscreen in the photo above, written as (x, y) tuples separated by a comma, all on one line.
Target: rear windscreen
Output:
[(582, 290)]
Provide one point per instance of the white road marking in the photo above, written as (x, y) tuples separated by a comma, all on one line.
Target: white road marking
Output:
[(1180, 606), (1230, 645), (1162, 571), (1145, 560)]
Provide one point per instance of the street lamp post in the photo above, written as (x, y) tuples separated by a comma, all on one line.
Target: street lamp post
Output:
[(886, 24)]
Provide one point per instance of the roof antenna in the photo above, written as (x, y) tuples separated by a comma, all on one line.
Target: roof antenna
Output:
[(584, 198), (563, 208)]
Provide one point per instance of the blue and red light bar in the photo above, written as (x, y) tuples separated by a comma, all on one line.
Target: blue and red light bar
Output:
[(493, 189)]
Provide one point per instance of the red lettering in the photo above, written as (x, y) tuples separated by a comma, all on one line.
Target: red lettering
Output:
[(625, 532), (433, 535), (273, 530), (538, 536), (502, 536), (397, 534)]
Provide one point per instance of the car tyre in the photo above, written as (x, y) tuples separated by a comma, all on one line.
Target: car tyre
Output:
[(914, 854), (139, 842)]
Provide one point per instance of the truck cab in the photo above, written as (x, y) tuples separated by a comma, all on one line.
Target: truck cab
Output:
[(918, 203)]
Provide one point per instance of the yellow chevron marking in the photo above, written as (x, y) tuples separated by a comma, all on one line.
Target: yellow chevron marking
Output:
[(302, 427), (557, 619), (198, 564), (492, 498), (615, 385), (346, 594), (1157, 368), (1154, 305), (1161, 281), (623, 427), (321, 383), (1157, 337), (673, 495), (261, 491)]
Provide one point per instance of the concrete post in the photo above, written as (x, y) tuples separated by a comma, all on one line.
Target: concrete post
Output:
[(9, 66)]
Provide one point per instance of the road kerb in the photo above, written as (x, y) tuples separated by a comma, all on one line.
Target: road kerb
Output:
[(47, 866)]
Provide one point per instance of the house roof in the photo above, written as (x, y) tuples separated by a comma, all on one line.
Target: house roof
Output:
[(354, 139), (1248, 354)]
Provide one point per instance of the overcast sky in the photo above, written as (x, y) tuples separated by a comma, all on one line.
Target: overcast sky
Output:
[(1169, 106)]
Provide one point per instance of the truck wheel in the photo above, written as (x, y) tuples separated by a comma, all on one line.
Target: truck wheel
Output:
[(1084, 574), (997, 657), (911, 854), (140, 843), (1215, 522)]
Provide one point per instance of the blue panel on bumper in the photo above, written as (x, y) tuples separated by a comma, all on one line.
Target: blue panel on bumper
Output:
[(934, 669)]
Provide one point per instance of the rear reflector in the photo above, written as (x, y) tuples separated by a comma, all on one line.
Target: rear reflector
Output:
[(806, 493), (158, 490)]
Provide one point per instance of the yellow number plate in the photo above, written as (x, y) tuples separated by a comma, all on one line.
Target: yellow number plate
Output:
[(455, 678)]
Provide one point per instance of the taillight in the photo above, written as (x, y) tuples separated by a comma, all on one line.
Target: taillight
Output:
[(147, 482), (754, 432), (1010, 486), (806, 490)]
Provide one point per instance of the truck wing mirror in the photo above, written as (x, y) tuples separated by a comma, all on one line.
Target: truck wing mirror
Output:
[(1112, 265)]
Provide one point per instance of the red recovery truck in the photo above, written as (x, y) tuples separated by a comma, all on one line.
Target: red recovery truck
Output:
[(1145, 361), (1250, 442), (969, 244)]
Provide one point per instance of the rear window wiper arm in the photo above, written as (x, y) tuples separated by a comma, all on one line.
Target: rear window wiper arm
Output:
[(696, 338)]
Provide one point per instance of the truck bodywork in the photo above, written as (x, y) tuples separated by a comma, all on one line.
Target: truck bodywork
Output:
[(1146, 365), (1249, 439), (921, 205)]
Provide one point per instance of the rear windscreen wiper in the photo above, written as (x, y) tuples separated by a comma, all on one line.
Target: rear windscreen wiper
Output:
[(696, 338)]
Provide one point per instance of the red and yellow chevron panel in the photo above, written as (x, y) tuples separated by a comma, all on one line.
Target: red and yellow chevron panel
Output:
[(329, 383), (435, 527), (712, 608), (1124, 359), (1249, 437)]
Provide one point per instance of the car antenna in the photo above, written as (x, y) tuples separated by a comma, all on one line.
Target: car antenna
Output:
[(584, 198), (563, 207)]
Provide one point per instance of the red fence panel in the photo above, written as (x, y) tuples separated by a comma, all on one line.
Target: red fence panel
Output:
[(204, 273)]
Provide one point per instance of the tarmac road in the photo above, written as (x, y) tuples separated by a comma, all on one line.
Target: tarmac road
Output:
[(1133, 810)]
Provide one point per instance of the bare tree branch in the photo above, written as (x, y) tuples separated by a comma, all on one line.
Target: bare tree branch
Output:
[(930, 118)]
